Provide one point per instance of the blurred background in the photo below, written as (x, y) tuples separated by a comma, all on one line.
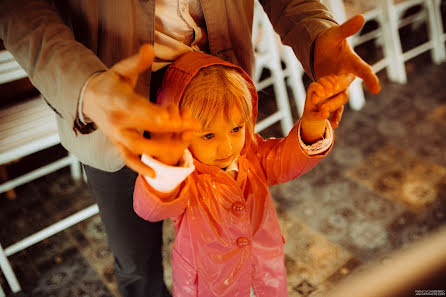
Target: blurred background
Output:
[(381, 189)]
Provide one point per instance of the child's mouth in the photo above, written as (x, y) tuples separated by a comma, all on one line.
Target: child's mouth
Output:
[(224, 159)]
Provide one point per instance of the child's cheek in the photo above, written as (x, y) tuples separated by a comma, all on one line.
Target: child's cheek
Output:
[(202, 151)]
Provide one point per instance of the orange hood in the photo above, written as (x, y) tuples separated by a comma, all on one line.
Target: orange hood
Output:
[(180, 73)]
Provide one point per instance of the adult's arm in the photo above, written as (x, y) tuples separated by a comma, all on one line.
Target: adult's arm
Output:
[(59, 66), (298, 23), (318, 41), (44, 46)]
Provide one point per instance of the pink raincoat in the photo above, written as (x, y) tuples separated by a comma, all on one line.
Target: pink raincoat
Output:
[(228, 236)]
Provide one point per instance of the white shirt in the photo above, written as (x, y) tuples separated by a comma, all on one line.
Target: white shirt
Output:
[(179, 28)]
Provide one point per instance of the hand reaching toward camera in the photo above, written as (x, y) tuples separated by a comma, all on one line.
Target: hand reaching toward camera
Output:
[(333, 55), (122, 115), (178, 141)]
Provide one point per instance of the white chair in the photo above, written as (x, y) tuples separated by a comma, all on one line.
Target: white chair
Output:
[(268, 56), (294, 73), (437, 5), (26, 128)]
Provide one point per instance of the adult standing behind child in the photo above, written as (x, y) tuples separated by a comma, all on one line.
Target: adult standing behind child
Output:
[(76, 54), (227, 235)]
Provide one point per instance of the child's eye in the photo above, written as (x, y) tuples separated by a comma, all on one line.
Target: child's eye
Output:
[(236, 129), (208, 136)]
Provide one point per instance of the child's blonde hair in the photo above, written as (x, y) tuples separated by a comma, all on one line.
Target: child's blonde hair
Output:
[(213, 91)]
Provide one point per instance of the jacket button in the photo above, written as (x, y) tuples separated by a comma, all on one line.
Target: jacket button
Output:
[(242, 242), (238, 207)]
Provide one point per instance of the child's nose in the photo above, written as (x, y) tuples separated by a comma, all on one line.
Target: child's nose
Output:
[(226, 147)]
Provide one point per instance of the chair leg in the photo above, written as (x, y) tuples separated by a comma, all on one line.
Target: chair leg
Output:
[(10, 194), (436, 31), (283, 105), (75, 168), (268, 46), (294, 72), (8, 272), (299, 93), (357, 99), (280, 91), (396, 69)]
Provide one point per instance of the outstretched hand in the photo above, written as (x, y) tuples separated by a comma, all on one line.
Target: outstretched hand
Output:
[(122, 115), (179, 141), (327, 95), (333, 54)]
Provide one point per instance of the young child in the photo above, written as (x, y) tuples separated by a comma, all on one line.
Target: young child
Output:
[(228, 239)]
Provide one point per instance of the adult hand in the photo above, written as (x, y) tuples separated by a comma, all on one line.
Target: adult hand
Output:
[(180, 141), (333, 54), (122, 115)]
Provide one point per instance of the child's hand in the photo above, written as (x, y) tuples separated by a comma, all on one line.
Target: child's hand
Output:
[(176, 142), (324, 97)]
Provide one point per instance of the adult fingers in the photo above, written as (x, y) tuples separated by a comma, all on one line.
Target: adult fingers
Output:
[(348, 28), (174, 112), (139, 113), (137, 144), (131, 67), (133, 161), (187, 135), (363, 70)]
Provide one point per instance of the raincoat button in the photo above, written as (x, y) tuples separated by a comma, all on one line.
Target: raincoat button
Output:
[(238, 207), (242, 242)]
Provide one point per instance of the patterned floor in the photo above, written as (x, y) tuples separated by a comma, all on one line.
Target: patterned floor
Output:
[(382, 187)]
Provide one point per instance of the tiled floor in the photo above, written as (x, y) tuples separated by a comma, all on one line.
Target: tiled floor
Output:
[(382, 187)]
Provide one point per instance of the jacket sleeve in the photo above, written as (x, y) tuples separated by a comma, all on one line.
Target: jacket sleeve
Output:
[(283, 159), (299, 22), (45, 48), (150, 207)]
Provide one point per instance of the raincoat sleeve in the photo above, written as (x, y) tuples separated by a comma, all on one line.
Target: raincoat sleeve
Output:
[(149, 206), (45, 47), (284, 159), (146, 201), (299, 22)]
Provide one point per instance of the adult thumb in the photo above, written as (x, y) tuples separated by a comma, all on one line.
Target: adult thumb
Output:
[(132, 66), (348, 28)]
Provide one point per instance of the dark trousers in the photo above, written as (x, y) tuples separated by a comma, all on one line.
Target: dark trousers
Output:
[(135, 243)]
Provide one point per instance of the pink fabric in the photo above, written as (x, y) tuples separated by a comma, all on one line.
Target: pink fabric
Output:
[(227, 232)]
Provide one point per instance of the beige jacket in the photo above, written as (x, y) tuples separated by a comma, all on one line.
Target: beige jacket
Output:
[(61, 43)]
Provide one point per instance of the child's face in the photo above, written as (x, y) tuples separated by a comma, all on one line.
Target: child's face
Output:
[(221, 142)]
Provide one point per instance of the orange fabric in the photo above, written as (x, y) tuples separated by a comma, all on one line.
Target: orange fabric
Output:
[(227, 232)]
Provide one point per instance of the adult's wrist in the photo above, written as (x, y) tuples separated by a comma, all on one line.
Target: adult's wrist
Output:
[(84, 119)]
